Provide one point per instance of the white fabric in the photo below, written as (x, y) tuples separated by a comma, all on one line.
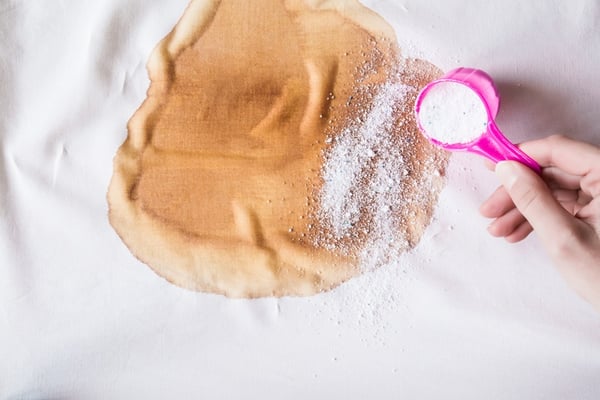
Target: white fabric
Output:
[(464, 316)]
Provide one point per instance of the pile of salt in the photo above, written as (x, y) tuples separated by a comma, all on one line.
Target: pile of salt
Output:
[(453, 113)]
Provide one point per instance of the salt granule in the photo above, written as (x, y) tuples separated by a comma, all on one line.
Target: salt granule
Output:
[(452, 113)]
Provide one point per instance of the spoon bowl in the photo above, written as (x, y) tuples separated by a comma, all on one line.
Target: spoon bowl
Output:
[(491, 143)]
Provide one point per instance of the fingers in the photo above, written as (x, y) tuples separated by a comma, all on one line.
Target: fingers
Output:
[(498, 204), (591, 213), (508, 219), (534, 200), (557, 178), (548, 153), (590, 183), (506, 224), (520, 233), (571, 156)]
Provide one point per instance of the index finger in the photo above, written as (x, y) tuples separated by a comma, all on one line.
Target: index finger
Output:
[(572, 156)]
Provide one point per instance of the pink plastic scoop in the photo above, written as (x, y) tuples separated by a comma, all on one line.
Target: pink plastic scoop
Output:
[(489, 142)]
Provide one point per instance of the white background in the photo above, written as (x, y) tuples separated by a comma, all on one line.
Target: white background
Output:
[(464, 316)]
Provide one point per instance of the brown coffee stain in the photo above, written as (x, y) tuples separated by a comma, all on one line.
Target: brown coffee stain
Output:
[(215, 184)]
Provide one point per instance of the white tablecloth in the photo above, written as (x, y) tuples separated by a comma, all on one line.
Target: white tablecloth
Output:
[(464, 316)]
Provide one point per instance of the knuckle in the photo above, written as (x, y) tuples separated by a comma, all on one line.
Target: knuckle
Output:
[(556, 138), (591, 184)]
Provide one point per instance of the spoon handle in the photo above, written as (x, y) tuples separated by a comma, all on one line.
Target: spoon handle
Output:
[(495, 146)]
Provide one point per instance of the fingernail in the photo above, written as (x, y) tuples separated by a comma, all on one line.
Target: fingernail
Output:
[(507, 173)]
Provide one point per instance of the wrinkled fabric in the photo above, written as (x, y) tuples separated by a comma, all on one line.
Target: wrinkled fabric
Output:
[(462, 316)]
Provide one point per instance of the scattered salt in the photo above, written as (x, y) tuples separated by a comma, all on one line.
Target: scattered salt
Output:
[(451, 112), (379, 183), (369, 189)]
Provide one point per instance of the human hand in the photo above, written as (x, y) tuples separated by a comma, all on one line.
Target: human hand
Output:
[(562, 207)]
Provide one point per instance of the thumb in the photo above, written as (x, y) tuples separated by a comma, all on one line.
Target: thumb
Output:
[(534, 200)]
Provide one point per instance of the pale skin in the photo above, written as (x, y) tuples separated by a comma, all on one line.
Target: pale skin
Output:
[(562, 207)]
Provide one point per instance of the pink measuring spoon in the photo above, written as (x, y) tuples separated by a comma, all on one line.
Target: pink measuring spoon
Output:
[(491, 144)]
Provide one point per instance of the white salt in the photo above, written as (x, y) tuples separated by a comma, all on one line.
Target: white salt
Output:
[(453, 113), (368, 186), (351, 157)]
